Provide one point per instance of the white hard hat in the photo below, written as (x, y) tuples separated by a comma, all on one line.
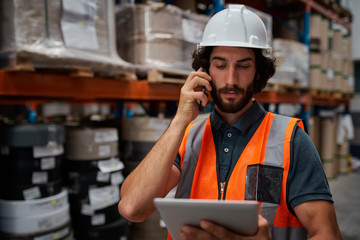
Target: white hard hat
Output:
[(235, 26)]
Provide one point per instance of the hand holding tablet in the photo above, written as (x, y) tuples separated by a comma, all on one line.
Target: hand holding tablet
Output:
[(237, 216)]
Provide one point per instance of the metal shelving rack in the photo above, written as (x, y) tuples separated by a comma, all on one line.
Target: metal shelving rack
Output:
[(34, 88)]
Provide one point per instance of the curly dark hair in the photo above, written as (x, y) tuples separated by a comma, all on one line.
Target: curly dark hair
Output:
[(265, 66)]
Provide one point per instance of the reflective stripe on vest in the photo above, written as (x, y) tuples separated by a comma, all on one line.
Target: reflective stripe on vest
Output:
[(269, 146)]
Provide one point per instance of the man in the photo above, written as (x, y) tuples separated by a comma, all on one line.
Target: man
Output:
[(241, 151)]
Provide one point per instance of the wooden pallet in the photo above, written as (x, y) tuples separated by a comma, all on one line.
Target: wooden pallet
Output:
[(285, 88), (165, 77), (24, 61), (330, 94)]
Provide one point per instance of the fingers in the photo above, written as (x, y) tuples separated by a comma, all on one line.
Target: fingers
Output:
[(192, 233), (197, 79), (217, 231), (263, 230)]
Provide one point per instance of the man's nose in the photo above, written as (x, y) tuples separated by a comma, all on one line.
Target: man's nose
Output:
[(231, 77)]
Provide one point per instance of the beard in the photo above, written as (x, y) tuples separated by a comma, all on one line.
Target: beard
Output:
[(233, 105)]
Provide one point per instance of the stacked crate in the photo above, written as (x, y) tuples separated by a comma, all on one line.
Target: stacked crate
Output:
[(332, 142), (94, 175), (139, 135), (33, 203), (331, 66)]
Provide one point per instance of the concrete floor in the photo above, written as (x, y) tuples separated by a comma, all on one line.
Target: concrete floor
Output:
[(346, 194)]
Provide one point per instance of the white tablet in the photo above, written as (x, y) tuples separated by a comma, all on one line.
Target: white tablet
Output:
[(237, 216)]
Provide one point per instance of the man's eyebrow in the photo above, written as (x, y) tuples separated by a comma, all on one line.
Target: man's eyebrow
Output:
[(238, 61)]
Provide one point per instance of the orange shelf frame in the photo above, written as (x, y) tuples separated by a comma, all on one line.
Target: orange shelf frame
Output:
[(32, 85), (35, 88)]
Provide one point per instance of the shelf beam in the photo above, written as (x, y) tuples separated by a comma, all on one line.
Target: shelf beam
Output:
[(63, 87), (33, 88)]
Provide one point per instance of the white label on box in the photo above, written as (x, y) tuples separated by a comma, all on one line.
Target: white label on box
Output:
[(192, 31), (351, 81), (50, 205), (87, 210), (5, 150), (39, 177), (104, 196), (106, 136), (48, 150), (104, 150), (111, 165), (98, 219), (117, 178), (78, 24), (54, 235), (330, 74), (47, 163), (45, 223), (32, 193), (102, 177)]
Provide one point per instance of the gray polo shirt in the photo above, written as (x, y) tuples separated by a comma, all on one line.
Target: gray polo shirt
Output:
[(306, 180)]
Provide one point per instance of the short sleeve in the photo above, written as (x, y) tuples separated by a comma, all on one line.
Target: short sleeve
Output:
[(307, 180)]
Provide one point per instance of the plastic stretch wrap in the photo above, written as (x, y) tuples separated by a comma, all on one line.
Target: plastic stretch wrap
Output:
[(60, 34), (158, 37), (292, 62)]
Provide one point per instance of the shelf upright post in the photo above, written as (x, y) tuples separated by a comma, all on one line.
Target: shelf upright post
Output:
[(306, 24), (118, 109), (304, 112), (32, 114), (218, 5)]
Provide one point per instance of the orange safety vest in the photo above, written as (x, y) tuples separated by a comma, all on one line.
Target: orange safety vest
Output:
[(269, 146)]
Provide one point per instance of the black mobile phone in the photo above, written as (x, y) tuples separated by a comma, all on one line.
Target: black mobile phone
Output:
[(203, 89), (201, 107)]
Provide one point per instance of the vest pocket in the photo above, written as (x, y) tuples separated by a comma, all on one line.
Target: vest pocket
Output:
[(263, 183)]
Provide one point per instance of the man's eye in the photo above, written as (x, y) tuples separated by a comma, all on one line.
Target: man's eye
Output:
[(221, 67), (243, 66)]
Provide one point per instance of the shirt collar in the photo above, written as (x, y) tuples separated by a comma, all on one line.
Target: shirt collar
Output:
[(245, 122)]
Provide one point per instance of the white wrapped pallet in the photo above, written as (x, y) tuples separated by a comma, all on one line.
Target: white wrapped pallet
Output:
[(160, 37), (292, 62), (60, 34)]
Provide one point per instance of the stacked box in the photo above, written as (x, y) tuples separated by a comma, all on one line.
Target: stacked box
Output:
[(59, 34), (327, 152), (139, 135), (326, 77), (338, 73), (316, 33), (162, 37), (341, 51), (316, 70), (337, 42), (344, 157), (292, 62), (324, 42)]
